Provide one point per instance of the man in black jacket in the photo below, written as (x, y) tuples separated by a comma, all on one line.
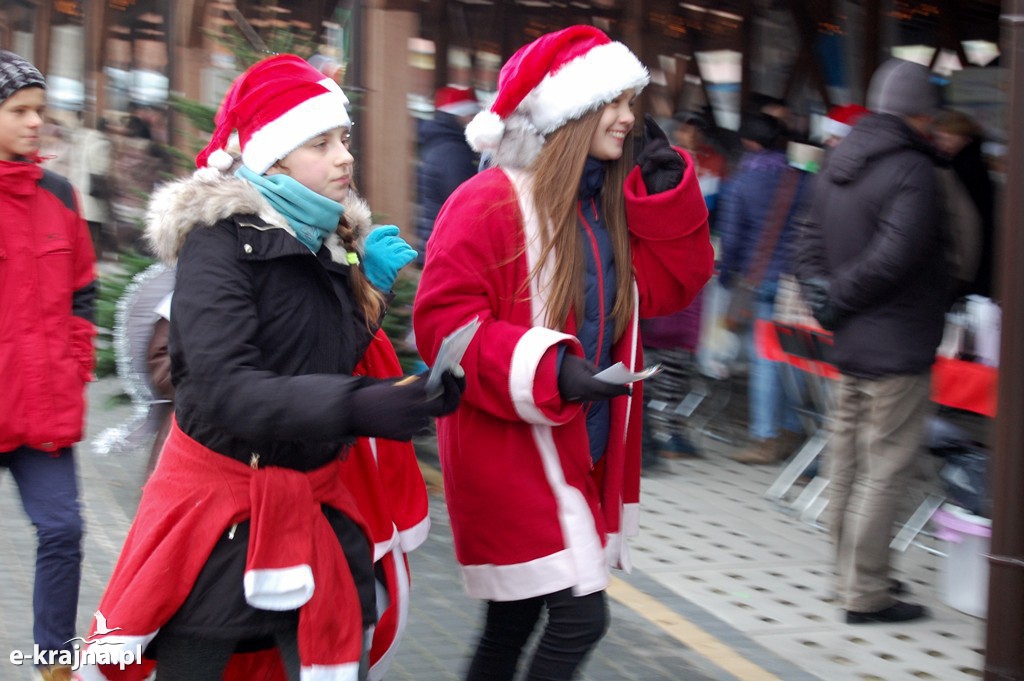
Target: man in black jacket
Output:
[(872, 264), (446, 160)]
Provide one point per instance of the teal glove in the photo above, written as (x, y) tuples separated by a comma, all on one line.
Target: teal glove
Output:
[(384, 254)]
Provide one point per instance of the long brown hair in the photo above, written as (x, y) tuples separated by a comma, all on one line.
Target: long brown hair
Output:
[(557, 172)]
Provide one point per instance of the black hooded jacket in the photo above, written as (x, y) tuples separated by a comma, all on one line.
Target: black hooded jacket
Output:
[(446, 161), (875, 233)]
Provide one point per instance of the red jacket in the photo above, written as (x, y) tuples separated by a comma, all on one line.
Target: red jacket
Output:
[(47, 290), (530, 514)]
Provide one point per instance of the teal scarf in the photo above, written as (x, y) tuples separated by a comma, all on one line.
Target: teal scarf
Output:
[(312, 216)]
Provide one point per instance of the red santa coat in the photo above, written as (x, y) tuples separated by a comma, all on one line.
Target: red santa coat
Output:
[(529, 513)]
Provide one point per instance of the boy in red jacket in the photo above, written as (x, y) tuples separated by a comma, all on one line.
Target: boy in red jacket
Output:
[(47, 289)]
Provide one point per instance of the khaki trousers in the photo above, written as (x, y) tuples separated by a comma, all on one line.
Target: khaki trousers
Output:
[(878, 428)]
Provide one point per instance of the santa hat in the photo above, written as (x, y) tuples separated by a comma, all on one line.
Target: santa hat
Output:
[(275, 107), (456, 100), (841, 119), (557, 78)]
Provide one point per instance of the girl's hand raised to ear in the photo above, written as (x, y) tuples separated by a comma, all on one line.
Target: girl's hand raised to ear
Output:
[(660, 165)]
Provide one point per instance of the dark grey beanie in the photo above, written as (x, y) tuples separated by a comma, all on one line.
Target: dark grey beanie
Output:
[(902, 88), (16, 73)]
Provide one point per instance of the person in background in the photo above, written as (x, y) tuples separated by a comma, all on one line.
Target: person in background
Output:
[(870, 262), (89, 172), (776, 107), (280, 287), (959, 138), (47, 299), (139, 165), (556, 249), (755, 192), (446, 159), (690, 133), (671, 340), (839, 122)]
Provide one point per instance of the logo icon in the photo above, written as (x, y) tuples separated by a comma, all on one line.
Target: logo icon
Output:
[(101, 630)]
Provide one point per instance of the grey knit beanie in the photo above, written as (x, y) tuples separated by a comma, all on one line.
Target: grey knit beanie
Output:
[(16, 73), (902, 88)]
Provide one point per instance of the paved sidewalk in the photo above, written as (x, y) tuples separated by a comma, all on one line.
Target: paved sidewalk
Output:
[(725, 586)]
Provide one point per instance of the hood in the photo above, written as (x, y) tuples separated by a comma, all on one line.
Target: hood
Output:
[(873, 137), (443, 126), (208, 196)]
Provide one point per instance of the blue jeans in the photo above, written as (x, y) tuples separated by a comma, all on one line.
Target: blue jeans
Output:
[(770, 409), (48, 484)]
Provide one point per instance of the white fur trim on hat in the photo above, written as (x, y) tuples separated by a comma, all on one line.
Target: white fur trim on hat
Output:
[(288, 132), (583, 84), (833, 128), (485, 130), (460, 108)]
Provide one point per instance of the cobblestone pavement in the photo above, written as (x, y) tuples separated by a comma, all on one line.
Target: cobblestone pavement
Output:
[(725, 587), (443, 620)]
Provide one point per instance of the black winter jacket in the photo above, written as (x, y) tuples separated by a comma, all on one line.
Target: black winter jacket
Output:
[(274, 333), (446, 161), (875, 233)]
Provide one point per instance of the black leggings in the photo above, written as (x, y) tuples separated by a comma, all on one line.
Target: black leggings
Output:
[(187, 658), (574, 626)]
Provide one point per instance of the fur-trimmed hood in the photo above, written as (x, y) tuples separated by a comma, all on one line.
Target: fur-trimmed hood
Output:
[(208, 196)]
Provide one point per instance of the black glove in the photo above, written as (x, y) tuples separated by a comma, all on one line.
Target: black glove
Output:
[(576, 382), (815, 293), (660, 165), (399, 409)]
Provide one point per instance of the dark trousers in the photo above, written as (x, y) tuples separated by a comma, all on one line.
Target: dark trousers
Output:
[(48, 484), (574, 626), (185, 658)]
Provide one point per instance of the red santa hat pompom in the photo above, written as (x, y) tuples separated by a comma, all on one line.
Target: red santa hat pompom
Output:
[(276, 106), (557, 78), (841, 119)]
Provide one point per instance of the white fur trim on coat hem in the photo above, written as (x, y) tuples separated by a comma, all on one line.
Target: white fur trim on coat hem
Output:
[(617, 553), (334, 672), (523, 580), (579, 533), (413, 537), (279, 588), (630, 520)]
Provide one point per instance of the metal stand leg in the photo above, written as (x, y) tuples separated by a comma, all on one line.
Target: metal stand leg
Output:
[(810, 451), (814, 511), (810, 495), (908, 533)]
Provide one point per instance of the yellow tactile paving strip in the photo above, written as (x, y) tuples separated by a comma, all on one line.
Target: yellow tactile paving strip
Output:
[(688, 633)]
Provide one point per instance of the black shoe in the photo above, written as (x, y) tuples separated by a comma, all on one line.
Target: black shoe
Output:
[(897, 612)]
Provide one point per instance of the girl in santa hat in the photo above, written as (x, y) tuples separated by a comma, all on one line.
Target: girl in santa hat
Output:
[(558, 250), (247, 538)]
